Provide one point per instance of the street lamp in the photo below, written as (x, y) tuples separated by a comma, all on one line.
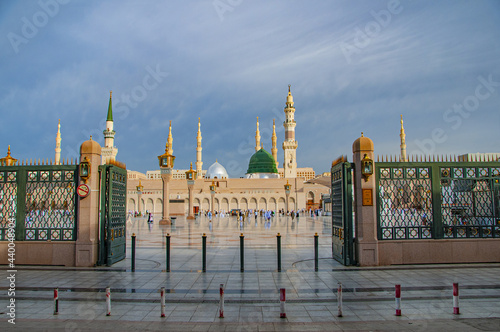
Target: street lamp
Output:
[(139, 194), (166, 161), (366, 167), (287, 193), (190, 176)]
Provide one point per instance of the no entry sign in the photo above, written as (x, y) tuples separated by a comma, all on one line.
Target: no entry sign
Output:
[(83, 190)]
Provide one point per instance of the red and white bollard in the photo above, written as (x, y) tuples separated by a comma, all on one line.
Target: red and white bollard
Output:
[(108, 301), (162, 294), (56, 301), (221, 302), (398, 300), (456, 310), (339, 299), (282, 303)]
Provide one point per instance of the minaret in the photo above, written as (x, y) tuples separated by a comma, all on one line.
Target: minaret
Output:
[(403, 141), (170, 139), (257, 137), (274, 149), (290, 144), (57, 159), (199, 163), (109, 151)]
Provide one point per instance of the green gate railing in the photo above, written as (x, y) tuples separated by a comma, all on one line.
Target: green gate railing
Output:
[(422, 200), (342, 225), (42, 201), (112, 246)]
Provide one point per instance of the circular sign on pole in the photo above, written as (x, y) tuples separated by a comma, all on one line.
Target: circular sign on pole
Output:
[(83, 190)]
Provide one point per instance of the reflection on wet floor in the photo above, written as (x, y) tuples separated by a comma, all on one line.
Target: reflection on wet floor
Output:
[(225, 231)]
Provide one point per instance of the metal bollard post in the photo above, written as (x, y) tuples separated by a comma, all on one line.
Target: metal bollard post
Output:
[(204, 252), (162, 292), (398, 300), (316, 252), (282, 303), (242, 253), (221, 303), (133, 252), (339, 299), (278, 239), (168, 251), (56, 301), (108, 301), (456, 310)]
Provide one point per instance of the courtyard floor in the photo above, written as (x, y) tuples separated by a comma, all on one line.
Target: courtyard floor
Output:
[(251, 297)]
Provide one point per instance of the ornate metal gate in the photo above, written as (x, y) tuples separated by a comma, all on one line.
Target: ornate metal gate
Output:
[(40, 200), (342, 226), (112, 246), (438, 200)]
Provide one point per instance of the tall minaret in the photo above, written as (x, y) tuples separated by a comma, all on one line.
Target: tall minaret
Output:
[(57, 159), (290, 144), (257, 137), (170, 139), (199, 163), (109, 151), (274, 149), (403, 141)]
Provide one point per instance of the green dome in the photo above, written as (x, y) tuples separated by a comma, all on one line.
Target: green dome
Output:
[(262, 162)]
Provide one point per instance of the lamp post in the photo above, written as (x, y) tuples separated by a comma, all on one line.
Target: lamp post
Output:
[(212, 194), (287, 193), (139, 196), (190, 176), (166, 161)]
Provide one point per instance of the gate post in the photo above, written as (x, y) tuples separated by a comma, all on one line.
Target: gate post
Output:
[(87, 240), (365, 202)]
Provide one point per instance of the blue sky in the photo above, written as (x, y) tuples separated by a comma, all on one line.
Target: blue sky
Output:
[(353, 65)]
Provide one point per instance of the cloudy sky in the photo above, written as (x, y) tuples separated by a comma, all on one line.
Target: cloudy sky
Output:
[(353, 66)]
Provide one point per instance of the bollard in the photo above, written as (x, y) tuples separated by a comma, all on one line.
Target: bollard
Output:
[(133, 252), (398, 300), (162, 292), (168, 251), (278, 239), (456, 310), (282, 303), (316, 252), (242, 253), (108, 302), (339, 299), (204, 252), (221, 303), (56, 301)]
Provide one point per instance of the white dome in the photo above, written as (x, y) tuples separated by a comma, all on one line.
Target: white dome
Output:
[(216, 171)]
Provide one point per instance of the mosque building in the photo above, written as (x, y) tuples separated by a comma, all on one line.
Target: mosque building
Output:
[(262, 187)]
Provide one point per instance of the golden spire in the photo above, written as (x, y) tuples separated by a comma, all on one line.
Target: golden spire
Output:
[(402, 136), (257, 137), (199, 163), (8, 160), (191, 166), (274, 148), (57, 158), (170, 139)]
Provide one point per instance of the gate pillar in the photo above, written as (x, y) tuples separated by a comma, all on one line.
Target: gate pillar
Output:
[(365, 203), (87, 239)]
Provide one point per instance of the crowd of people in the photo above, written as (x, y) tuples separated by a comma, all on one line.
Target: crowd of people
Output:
[(241, 214)]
